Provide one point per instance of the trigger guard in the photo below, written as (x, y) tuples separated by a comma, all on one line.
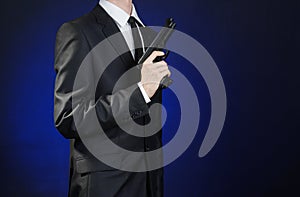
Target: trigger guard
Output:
[(163, 57)]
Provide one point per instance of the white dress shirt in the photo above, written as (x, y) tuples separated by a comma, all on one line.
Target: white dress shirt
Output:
[(121, 19)]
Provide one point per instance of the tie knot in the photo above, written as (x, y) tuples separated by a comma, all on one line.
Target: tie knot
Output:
[(132, 21)]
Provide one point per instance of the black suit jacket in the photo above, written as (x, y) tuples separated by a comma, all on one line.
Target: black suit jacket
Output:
[(75, 39)]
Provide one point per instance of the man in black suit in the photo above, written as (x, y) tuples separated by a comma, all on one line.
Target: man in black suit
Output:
[(75, 39)]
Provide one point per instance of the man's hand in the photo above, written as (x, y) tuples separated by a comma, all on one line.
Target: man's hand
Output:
[(152, 73)]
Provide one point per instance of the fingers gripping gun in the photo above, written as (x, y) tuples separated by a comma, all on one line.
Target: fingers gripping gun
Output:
[(158, 44)]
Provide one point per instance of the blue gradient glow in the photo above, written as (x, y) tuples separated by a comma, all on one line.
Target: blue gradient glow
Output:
[(254, 43)]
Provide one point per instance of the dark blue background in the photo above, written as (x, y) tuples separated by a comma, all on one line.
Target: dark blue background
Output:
[(256, 46)]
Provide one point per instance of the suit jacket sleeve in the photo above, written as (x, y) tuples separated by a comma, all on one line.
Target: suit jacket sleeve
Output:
[(70, 50)]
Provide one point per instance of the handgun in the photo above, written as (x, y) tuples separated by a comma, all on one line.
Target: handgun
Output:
[(158, 44)]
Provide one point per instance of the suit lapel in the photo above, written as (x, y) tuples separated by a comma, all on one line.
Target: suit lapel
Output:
[(110, 28)]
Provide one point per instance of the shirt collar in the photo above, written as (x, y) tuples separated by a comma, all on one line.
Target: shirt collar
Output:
[(119, 15)]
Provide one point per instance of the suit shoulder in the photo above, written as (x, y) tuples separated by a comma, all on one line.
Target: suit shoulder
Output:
[(77, 24)]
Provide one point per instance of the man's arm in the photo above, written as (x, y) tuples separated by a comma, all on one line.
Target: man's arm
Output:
[(71, 48)]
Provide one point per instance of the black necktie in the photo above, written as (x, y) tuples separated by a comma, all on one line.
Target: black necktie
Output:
[(136, 38)]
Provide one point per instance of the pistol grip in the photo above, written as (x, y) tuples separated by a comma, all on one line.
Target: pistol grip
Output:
[(165, 82)]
